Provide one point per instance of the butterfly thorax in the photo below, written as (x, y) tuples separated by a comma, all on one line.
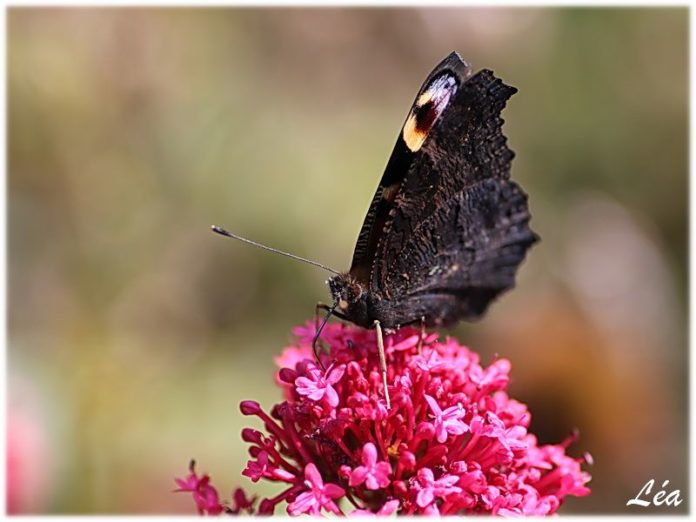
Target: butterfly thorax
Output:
[(351, 299)]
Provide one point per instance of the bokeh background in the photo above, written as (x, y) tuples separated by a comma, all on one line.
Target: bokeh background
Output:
[(134, 332)]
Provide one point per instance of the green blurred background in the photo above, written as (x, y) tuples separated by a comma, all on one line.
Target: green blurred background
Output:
[(135, 332)]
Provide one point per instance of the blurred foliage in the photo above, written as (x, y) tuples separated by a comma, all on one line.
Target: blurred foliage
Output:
[(135, 332)]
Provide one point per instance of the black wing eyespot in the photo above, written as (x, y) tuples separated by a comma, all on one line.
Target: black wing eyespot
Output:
[(425, 116)]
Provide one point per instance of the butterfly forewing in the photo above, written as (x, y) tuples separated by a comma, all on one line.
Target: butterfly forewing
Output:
[(428, 108)]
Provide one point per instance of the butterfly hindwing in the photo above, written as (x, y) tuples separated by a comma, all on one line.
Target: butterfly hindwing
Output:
[(460, 257)]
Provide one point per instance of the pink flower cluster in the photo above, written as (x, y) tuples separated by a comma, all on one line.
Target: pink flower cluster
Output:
[(206, 496), (453, 442)]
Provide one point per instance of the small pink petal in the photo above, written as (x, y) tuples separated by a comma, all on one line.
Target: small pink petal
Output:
[(334, 375), (369, 454), (313, 477), (406, 344), (358, 476), (388, 508), (334, 491), (425, 497), (440, 432), (305, 503), (331, 396), (434, 406)]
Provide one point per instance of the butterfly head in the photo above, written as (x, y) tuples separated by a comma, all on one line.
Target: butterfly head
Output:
[(350, 298)]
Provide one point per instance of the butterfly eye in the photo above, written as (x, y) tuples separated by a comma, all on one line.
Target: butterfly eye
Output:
[(427, 109)]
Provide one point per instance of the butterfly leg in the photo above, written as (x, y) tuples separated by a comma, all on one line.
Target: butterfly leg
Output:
[(382, 361), (318, 329), (319, 306), (422, 334), (330, 310), (327, 308)]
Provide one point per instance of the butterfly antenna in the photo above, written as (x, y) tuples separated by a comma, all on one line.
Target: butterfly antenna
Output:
[(223, 232)]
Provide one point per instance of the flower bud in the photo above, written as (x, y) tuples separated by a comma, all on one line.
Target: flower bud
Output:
[(250, 407)]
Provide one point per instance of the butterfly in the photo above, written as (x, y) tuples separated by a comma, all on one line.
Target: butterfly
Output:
[(446, 229)]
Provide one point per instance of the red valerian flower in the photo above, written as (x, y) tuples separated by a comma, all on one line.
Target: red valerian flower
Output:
[(452, 443), (319, 496), (240, 503), (317, 385), (448, 421), (428, 489), (374, 474), (204, 495)]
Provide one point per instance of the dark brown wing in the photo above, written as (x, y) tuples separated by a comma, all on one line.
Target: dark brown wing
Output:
[(464, 148), (421, 120), (451, 236), (458, 259)]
